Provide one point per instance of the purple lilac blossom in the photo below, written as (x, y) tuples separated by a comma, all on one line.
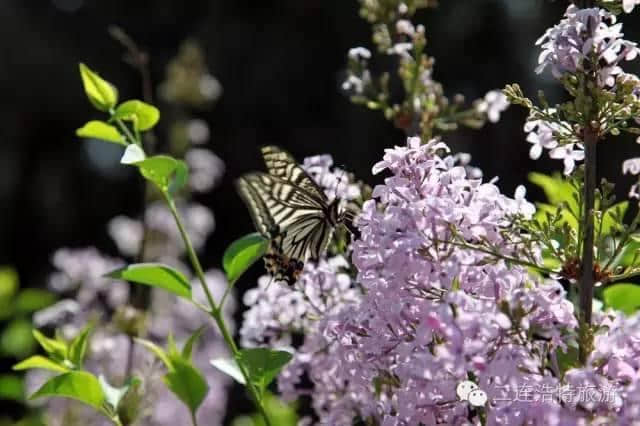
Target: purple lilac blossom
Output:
[(585, 36)]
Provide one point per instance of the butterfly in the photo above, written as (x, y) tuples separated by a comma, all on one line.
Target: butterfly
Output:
[(292, 211)]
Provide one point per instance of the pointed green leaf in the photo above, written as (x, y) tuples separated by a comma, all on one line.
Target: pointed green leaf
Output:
[(100, 130), (242, 253), (38, 361), (78, 385), (229, 367), (155, 275), (187, 383), (102, 94), (57, 349), (157, 351), (78, 346), (113, 395), (188, 346), (143, 115), (263, 365), (624, 297), (167, 173)]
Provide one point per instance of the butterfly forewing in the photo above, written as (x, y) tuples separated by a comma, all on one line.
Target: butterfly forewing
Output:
[(281, 164)]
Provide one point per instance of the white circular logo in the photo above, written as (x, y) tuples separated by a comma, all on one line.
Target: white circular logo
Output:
[(477, 398), (464, 388)]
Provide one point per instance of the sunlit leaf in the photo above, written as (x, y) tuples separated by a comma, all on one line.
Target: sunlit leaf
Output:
[(100, 130), (38, 361), (263, 365), (187, 383), (242, 253), (624, 297), (157, 351), (229, 367), (79, 385), (188, 346), (102, 94), (57, 349), (78, 346), (143, 115), (167, 173), (155, 275), (113, 395)]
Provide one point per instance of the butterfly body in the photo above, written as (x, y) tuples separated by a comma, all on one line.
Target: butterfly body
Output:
[(292, 211)]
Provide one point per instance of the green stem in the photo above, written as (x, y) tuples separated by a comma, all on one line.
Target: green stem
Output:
[(194, 421), (127, 132), (216, 311), (195, 262)]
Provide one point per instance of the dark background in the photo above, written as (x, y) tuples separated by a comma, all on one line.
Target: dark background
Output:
[(280, 63)]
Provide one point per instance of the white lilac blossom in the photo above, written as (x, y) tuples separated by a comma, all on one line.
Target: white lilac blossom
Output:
[(198, 131), (358, 53), (83, 270), (205, 169), (555, 136), (586, 36), (628, 5), (569, 154), (277, 311), (493, 104), (126, 233)]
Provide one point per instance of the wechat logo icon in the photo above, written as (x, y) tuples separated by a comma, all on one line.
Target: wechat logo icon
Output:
[(469, 391)]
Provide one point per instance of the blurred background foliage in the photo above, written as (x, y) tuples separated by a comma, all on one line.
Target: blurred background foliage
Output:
[(275, 72)]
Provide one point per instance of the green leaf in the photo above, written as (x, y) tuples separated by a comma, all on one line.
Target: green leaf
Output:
[(11, 387), (113, 395), (100, 130), (629, 253), (57, 349), (556, 188), (78, 346), (16, 339), (187, 383), (188, 346), (102, 94), (624, 297), (609, 224), (167, 173), (568, 360), (229, 367), (38, 361), (242, 253), (78, 385), (143, 115), (263, 365), (33, 299), (157, 351), (155, 275), (180, 177), (8, 283)]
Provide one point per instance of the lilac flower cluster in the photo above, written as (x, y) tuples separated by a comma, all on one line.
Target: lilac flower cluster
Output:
[(582, 41)]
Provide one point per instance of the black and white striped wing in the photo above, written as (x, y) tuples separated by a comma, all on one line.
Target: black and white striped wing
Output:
[(281, 209), (281, 164)]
